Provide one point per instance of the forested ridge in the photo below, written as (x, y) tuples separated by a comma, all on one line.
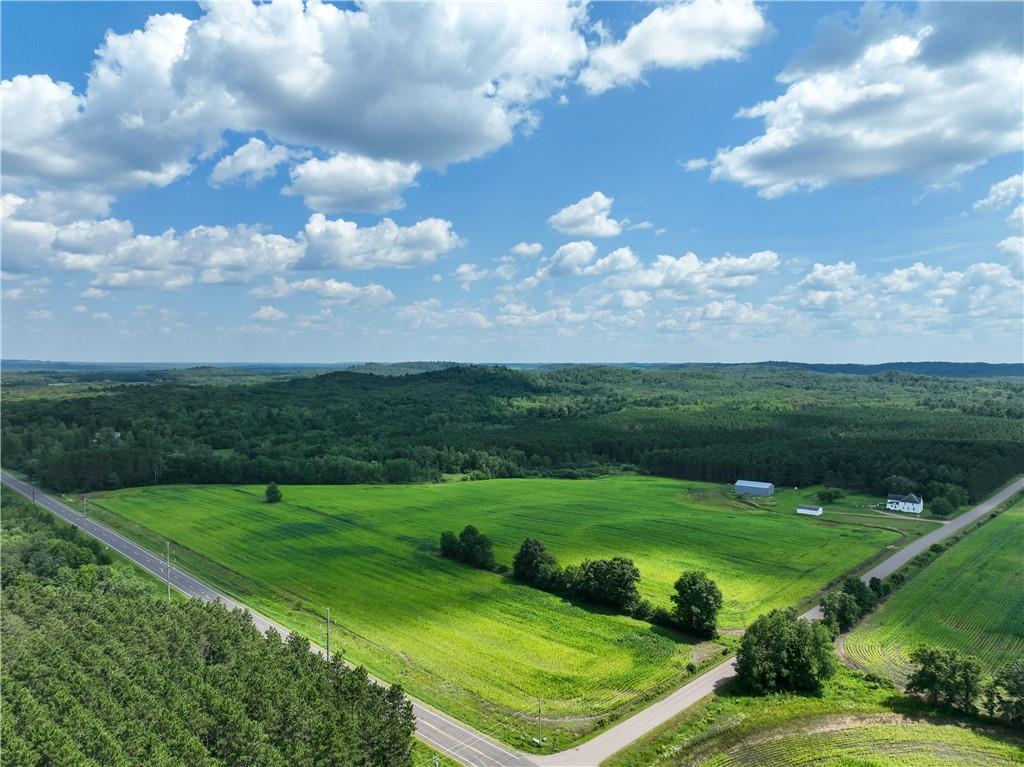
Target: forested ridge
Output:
[(785, 425), (98, 670)]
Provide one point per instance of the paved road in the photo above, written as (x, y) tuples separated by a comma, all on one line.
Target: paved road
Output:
[(440, 731), (911, 550), (455, 739)]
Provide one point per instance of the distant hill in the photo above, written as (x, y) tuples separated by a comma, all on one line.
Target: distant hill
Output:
[(401, 368), (942, 369)]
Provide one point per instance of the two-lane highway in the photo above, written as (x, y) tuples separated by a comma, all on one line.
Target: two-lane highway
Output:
[(455, 739)]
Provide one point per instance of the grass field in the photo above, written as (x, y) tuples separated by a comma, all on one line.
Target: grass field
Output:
[(970, 598), (475, 643), (852, 723)]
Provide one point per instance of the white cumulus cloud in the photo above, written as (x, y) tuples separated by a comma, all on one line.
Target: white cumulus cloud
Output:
[(587, 218), (682, 36), (349, 182), (253, 161), (269, 313), (346, 245), (900, 101)]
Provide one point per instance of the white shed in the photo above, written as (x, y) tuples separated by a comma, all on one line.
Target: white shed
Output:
[(809, 511)]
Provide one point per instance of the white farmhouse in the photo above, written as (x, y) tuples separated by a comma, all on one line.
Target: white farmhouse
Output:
[(911, 504), (809, 511)]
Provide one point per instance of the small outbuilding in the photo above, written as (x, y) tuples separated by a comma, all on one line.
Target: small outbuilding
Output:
[(809, 511), (749, 487), (910, 503)]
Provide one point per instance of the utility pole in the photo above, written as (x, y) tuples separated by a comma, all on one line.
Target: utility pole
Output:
[(328, 634), (86, 499), (33, 495), (168, 573), (538, 721)]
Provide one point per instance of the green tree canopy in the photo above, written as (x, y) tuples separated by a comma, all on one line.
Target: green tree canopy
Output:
[(697, 600), (783, 652), (535, 565), (272, 493)]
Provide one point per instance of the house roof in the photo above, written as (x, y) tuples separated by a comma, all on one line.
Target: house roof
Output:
[(809, 507), (752, 483), (909, 498)]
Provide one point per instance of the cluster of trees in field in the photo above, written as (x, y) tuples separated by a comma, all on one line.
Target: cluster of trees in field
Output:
[(781, 652), (470, 547), (613, 583), (97, 670), (788, 426), (955, 680)]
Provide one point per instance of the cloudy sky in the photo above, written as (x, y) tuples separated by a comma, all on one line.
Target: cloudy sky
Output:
[(604, 182)]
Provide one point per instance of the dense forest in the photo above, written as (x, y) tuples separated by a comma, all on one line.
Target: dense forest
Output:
[(776, 423), (98, 670)]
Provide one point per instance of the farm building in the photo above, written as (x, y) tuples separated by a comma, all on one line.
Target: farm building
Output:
[(749, 487), (912, 504), (810, 511)]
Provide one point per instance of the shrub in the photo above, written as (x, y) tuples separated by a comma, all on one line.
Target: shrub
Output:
[(829, 495), (273, 493), (940, 507)]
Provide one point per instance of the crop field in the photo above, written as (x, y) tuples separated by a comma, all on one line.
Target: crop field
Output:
[(867, 744), (851, 723), (970, 598), (476, 643)]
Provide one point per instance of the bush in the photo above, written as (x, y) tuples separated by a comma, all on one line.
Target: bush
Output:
[(783, 652), (697, 601), (940, 507), (273, 493), (829, 495)]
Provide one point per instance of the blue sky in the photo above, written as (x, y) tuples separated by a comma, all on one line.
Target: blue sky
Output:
[(703, 181)]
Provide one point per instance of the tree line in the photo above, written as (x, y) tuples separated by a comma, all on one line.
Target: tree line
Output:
[(97, 670), (610, 583), (788, 426)]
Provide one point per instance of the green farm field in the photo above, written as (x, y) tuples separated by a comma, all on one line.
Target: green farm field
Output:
[(851, 723), (475, 643), (970, 598)]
